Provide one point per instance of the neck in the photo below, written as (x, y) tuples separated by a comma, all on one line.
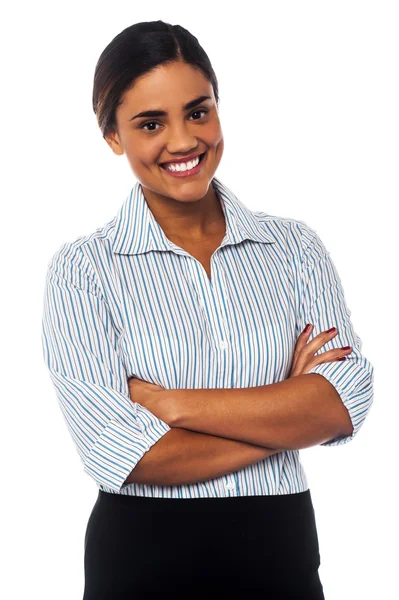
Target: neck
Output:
[(192, 221)]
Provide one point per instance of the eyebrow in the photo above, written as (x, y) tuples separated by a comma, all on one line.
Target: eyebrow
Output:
[(163, 113)]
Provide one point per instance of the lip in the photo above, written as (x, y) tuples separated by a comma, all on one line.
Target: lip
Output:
[(190, 173), (182, 160)]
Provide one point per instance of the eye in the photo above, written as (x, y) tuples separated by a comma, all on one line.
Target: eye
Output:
[(144, 125), (149, 123), (198, 111)]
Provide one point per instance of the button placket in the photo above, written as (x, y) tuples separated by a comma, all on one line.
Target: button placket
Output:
[(211, 304), (219, 294)]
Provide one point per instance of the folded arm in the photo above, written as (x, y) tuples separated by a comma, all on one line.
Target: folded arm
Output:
[(182, 457), (326, 406), (291, 414)]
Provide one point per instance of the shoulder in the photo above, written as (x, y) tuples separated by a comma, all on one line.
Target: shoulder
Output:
[(292, 234), (87, 244), (82, 259)]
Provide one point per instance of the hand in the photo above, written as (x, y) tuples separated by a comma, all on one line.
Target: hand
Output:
[(153, 397), (304, 358)]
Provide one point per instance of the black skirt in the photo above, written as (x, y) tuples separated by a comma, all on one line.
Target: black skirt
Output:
[(139, 547)]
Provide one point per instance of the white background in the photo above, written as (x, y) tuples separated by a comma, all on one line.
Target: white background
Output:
[(309, 110)]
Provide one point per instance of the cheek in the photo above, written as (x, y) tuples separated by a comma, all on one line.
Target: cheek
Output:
[(217, 144), (220, 146), (152, 152), (214, 136), (141, 163)]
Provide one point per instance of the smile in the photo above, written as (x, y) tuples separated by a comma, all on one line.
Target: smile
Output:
[(185, 169)]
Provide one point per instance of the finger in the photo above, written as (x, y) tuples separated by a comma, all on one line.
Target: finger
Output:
[(301, 343), (326, 357), (333, 354), (322, 338), (319, 341), (308, 351)]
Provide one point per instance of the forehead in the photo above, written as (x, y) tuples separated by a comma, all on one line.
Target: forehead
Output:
[(168, 86)]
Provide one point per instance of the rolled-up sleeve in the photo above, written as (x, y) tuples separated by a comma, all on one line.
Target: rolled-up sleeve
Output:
[(324, 305), (80, 347)]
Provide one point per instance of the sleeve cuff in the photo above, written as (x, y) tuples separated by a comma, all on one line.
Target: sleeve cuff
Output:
[(118, 449), (354, 384)]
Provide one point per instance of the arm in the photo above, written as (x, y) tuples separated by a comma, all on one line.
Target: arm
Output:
[(326, 406), (323, 303), (183, 457), (292, 414), (111, 433)]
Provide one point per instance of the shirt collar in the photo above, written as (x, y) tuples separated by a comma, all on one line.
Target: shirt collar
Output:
[(137, 231)]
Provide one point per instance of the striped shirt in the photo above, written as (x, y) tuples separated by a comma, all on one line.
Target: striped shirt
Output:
[(126, 301)]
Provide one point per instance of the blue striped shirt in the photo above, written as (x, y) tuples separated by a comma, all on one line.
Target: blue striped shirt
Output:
[(126, 301)]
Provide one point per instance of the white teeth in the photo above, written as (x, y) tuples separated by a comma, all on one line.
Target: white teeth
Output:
[(183, 166)]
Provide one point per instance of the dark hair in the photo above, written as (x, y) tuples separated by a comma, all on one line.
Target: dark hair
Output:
[(137, 50)]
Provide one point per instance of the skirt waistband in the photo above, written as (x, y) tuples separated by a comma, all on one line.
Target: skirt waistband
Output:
[(283, 502)]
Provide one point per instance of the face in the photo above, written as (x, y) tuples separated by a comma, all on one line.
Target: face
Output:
[(150, 140)]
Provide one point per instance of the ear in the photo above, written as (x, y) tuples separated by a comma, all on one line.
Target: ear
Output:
[(114, 142)]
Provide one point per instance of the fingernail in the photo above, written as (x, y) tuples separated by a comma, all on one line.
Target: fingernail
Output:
[(341, 358), (308, 326), (331, 330), (346, 348)]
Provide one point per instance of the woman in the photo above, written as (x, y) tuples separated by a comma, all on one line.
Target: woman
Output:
[(185, 294)]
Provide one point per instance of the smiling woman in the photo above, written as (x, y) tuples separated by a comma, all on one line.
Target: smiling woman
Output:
[(178, 511), (176, 153), (157, 103)]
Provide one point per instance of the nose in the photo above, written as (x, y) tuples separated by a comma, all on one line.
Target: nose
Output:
[(181, 141)]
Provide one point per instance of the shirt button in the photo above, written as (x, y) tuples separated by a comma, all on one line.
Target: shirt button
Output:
[(223, 345), (231, 485), (202, 304)]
